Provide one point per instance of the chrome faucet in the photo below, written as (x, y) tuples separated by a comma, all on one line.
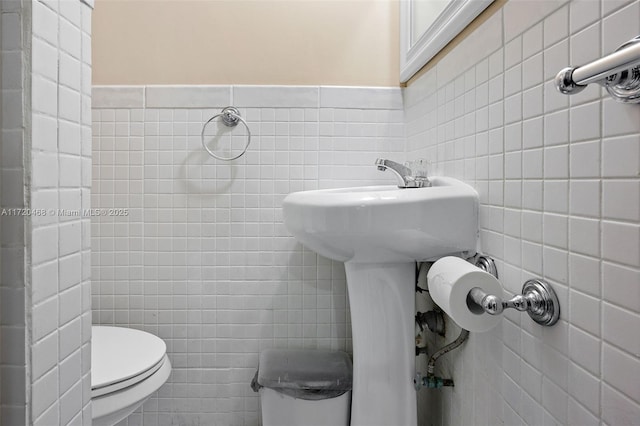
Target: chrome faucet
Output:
[(404, 173)]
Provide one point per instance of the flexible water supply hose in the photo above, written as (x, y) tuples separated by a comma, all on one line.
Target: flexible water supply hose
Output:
[(464, 335)]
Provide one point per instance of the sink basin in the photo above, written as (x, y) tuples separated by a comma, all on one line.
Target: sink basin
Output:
[(379, 232), (375, 224)]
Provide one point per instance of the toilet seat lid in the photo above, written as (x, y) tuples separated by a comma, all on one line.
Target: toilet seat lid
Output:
[(119, 353)]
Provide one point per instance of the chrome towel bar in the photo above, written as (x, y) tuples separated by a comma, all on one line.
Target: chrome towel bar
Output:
[(619, 72)]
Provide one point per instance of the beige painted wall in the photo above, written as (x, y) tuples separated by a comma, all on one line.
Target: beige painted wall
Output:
[(288, 42)]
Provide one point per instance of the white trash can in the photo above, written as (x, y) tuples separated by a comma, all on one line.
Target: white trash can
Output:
[(304, 387)]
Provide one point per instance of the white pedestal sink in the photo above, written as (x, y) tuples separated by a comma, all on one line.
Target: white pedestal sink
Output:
[(380, 232)]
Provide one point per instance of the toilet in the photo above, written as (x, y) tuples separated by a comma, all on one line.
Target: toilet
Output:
[(127, 367)]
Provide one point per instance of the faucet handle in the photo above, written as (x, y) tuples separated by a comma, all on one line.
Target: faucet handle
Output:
[(420, 172), (419, 168)]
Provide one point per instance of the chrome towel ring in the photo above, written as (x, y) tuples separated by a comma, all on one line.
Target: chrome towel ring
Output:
[(230, 117)]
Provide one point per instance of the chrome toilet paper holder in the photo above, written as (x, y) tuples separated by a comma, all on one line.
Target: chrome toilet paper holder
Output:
[(538, 298)]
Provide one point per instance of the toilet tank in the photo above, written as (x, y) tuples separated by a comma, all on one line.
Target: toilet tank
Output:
[(304, 387)]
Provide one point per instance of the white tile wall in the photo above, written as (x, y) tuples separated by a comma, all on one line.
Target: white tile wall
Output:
[(60, 381), (33, 242), (201, 257), (558, 178), (13, 369)]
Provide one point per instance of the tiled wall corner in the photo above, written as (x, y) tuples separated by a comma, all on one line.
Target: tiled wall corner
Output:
[(60, 232), (13, 368), (201, 257), (559, 186)]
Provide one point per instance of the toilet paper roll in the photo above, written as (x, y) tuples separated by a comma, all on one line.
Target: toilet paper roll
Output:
[(450, 279)]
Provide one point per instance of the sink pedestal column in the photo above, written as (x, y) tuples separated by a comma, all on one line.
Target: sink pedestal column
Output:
[(382, 302)]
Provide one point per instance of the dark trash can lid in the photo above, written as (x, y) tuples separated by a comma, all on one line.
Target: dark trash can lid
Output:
[(299, 372)]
